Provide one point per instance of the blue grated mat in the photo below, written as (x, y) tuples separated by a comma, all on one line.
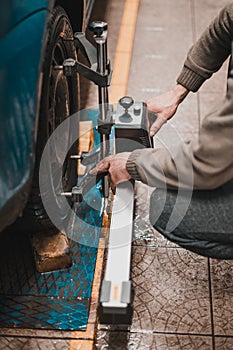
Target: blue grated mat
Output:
[(56, 300)]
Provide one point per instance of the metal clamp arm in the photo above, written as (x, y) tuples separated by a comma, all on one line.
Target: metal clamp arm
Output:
[(84, 186), (72, 67), (87, 49)]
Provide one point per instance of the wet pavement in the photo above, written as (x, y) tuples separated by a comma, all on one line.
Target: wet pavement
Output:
[(182, 300)]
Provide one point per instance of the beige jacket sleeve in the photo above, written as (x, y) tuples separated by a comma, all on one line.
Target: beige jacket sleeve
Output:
[(208, 161), (207, 55)]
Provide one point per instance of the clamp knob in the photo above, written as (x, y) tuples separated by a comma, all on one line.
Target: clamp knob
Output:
[(126, 102), (98, 27), (69, 67)]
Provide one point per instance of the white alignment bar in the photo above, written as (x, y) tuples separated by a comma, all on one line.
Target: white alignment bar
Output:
[(115, 291)]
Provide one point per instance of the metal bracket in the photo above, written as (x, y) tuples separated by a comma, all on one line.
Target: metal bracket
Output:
[(86, 47), (87, 157), (78, 192), (72, 67)]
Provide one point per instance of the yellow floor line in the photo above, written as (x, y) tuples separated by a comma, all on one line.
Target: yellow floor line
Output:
[(124, 50), (84, 340)]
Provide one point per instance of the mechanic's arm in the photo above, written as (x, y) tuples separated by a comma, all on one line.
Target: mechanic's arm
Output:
[(204, 58)]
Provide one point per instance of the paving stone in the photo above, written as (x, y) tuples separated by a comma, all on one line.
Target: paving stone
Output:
[(222, 343), (32, 344), (171, 291), (145, 341), (8, 343), (222, 289)]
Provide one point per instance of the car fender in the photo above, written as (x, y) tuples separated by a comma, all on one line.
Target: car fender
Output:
[(20, 61)]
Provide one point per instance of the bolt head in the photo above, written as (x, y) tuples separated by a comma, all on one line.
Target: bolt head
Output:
[(98, 27)]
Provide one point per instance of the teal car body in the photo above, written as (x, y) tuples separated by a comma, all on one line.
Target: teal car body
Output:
[(22, 42)]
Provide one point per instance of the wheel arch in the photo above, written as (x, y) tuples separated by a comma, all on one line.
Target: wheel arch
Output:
[(75, 11)]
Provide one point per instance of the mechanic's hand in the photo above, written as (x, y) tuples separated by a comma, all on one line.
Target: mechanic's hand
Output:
[(165, 106), (116, 167)]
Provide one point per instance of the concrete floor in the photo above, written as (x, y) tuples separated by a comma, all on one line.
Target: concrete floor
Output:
[(182, 301)]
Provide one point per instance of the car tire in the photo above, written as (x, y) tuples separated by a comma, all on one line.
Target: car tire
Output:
[(59, 99)]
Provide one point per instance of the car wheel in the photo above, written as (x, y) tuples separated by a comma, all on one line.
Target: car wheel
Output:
[(59, 99)]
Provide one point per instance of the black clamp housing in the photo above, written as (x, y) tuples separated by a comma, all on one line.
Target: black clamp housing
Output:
[(105, 126)]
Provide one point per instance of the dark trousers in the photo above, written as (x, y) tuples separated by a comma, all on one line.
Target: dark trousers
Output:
[(205, 227)]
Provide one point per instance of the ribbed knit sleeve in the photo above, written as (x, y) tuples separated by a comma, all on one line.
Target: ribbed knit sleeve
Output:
[(131, 165), (207, 55)]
